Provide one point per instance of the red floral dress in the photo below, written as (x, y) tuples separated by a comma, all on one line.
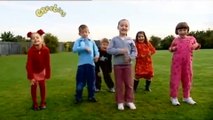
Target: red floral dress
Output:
[(143, 66)]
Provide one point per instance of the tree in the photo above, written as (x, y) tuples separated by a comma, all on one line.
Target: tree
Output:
[(166, 42), (19, 38), (51, 42), (155, 41), (8, 37)]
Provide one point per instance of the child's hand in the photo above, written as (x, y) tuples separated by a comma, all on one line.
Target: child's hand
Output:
[(150, 53), (99, 74), (173, 49), (87, 49), (127, 59), (195, 46), (142, 56), (96, 59), (124, 51), (32, 82)]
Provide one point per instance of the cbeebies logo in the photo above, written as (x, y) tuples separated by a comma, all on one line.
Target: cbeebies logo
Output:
[(43, 10)]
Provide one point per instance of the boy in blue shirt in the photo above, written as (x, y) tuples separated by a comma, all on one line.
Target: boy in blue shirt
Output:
[(87, 53)]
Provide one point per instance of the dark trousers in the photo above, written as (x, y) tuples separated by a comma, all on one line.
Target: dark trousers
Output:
[(107, 79), (85, 75)]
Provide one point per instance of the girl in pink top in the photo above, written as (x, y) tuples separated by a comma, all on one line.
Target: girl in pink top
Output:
[(181, 68)]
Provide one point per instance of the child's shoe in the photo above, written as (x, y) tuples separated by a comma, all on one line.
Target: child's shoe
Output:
[(35, 107), (120, 106), (189, 100), (112, 90), (131, 105), (78, 101), (175, 101), (43, 106), (92, 100), (97, 90)]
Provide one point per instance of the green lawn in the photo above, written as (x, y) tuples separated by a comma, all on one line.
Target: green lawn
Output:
[(15, 99)]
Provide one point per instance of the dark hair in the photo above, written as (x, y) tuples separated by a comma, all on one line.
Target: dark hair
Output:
[(141, 32), (181, 25), (82, 27)]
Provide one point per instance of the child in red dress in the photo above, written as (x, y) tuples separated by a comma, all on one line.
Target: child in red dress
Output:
[(38, 68), (143, 66)]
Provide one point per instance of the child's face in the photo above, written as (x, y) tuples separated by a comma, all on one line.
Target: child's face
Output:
[(104, 46), (36, 39), (84, 33), (123, 27), (182, 31), (141, 37)]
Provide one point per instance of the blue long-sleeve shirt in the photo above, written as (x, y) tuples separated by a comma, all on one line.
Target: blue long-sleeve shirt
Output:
[(85, 57)]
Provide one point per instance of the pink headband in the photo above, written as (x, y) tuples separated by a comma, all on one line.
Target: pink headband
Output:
[(40, 32)]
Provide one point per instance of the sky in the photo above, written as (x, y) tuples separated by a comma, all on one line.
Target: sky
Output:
[(155, 17)]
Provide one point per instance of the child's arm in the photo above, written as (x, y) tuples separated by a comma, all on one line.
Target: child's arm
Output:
[(47, 65), (77, 47), (133, 52), (96, 52), (110, 63), (115, 51), (195, 44), (152, 49), (173, 46), (29, 66)]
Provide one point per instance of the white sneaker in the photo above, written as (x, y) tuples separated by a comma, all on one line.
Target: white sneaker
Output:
[(131, 105), (112, 90), (189, 100), (97, 90), (174, 101), (120, 106)]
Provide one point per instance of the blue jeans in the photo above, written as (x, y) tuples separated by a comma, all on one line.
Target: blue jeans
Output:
[(85, 75)]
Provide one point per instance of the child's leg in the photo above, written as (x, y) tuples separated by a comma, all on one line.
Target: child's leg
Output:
[(187, 80), (34, 95), (108, 80), (136, 82), (128, 83), (147, 85), (98, 80), (175, 78), (107, 75), (80, 82), (119, 84), (42, 92), (90, 76)]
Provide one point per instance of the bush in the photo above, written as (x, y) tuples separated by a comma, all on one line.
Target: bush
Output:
[(51, 42)]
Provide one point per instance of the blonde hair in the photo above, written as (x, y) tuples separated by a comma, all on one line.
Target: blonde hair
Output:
[(122, 21), (104, 40)]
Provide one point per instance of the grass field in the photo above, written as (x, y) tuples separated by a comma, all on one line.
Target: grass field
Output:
[(15, 99)]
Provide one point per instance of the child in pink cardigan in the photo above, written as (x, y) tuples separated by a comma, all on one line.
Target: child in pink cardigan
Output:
[(181, 68)]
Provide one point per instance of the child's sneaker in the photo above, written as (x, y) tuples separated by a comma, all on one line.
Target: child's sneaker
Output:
[(43, 106), (35, 107), (97, 90), (131, 105), (189, 100), (120, 106), (78, 101), (175, 101), (112, 90), (92, 100)]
